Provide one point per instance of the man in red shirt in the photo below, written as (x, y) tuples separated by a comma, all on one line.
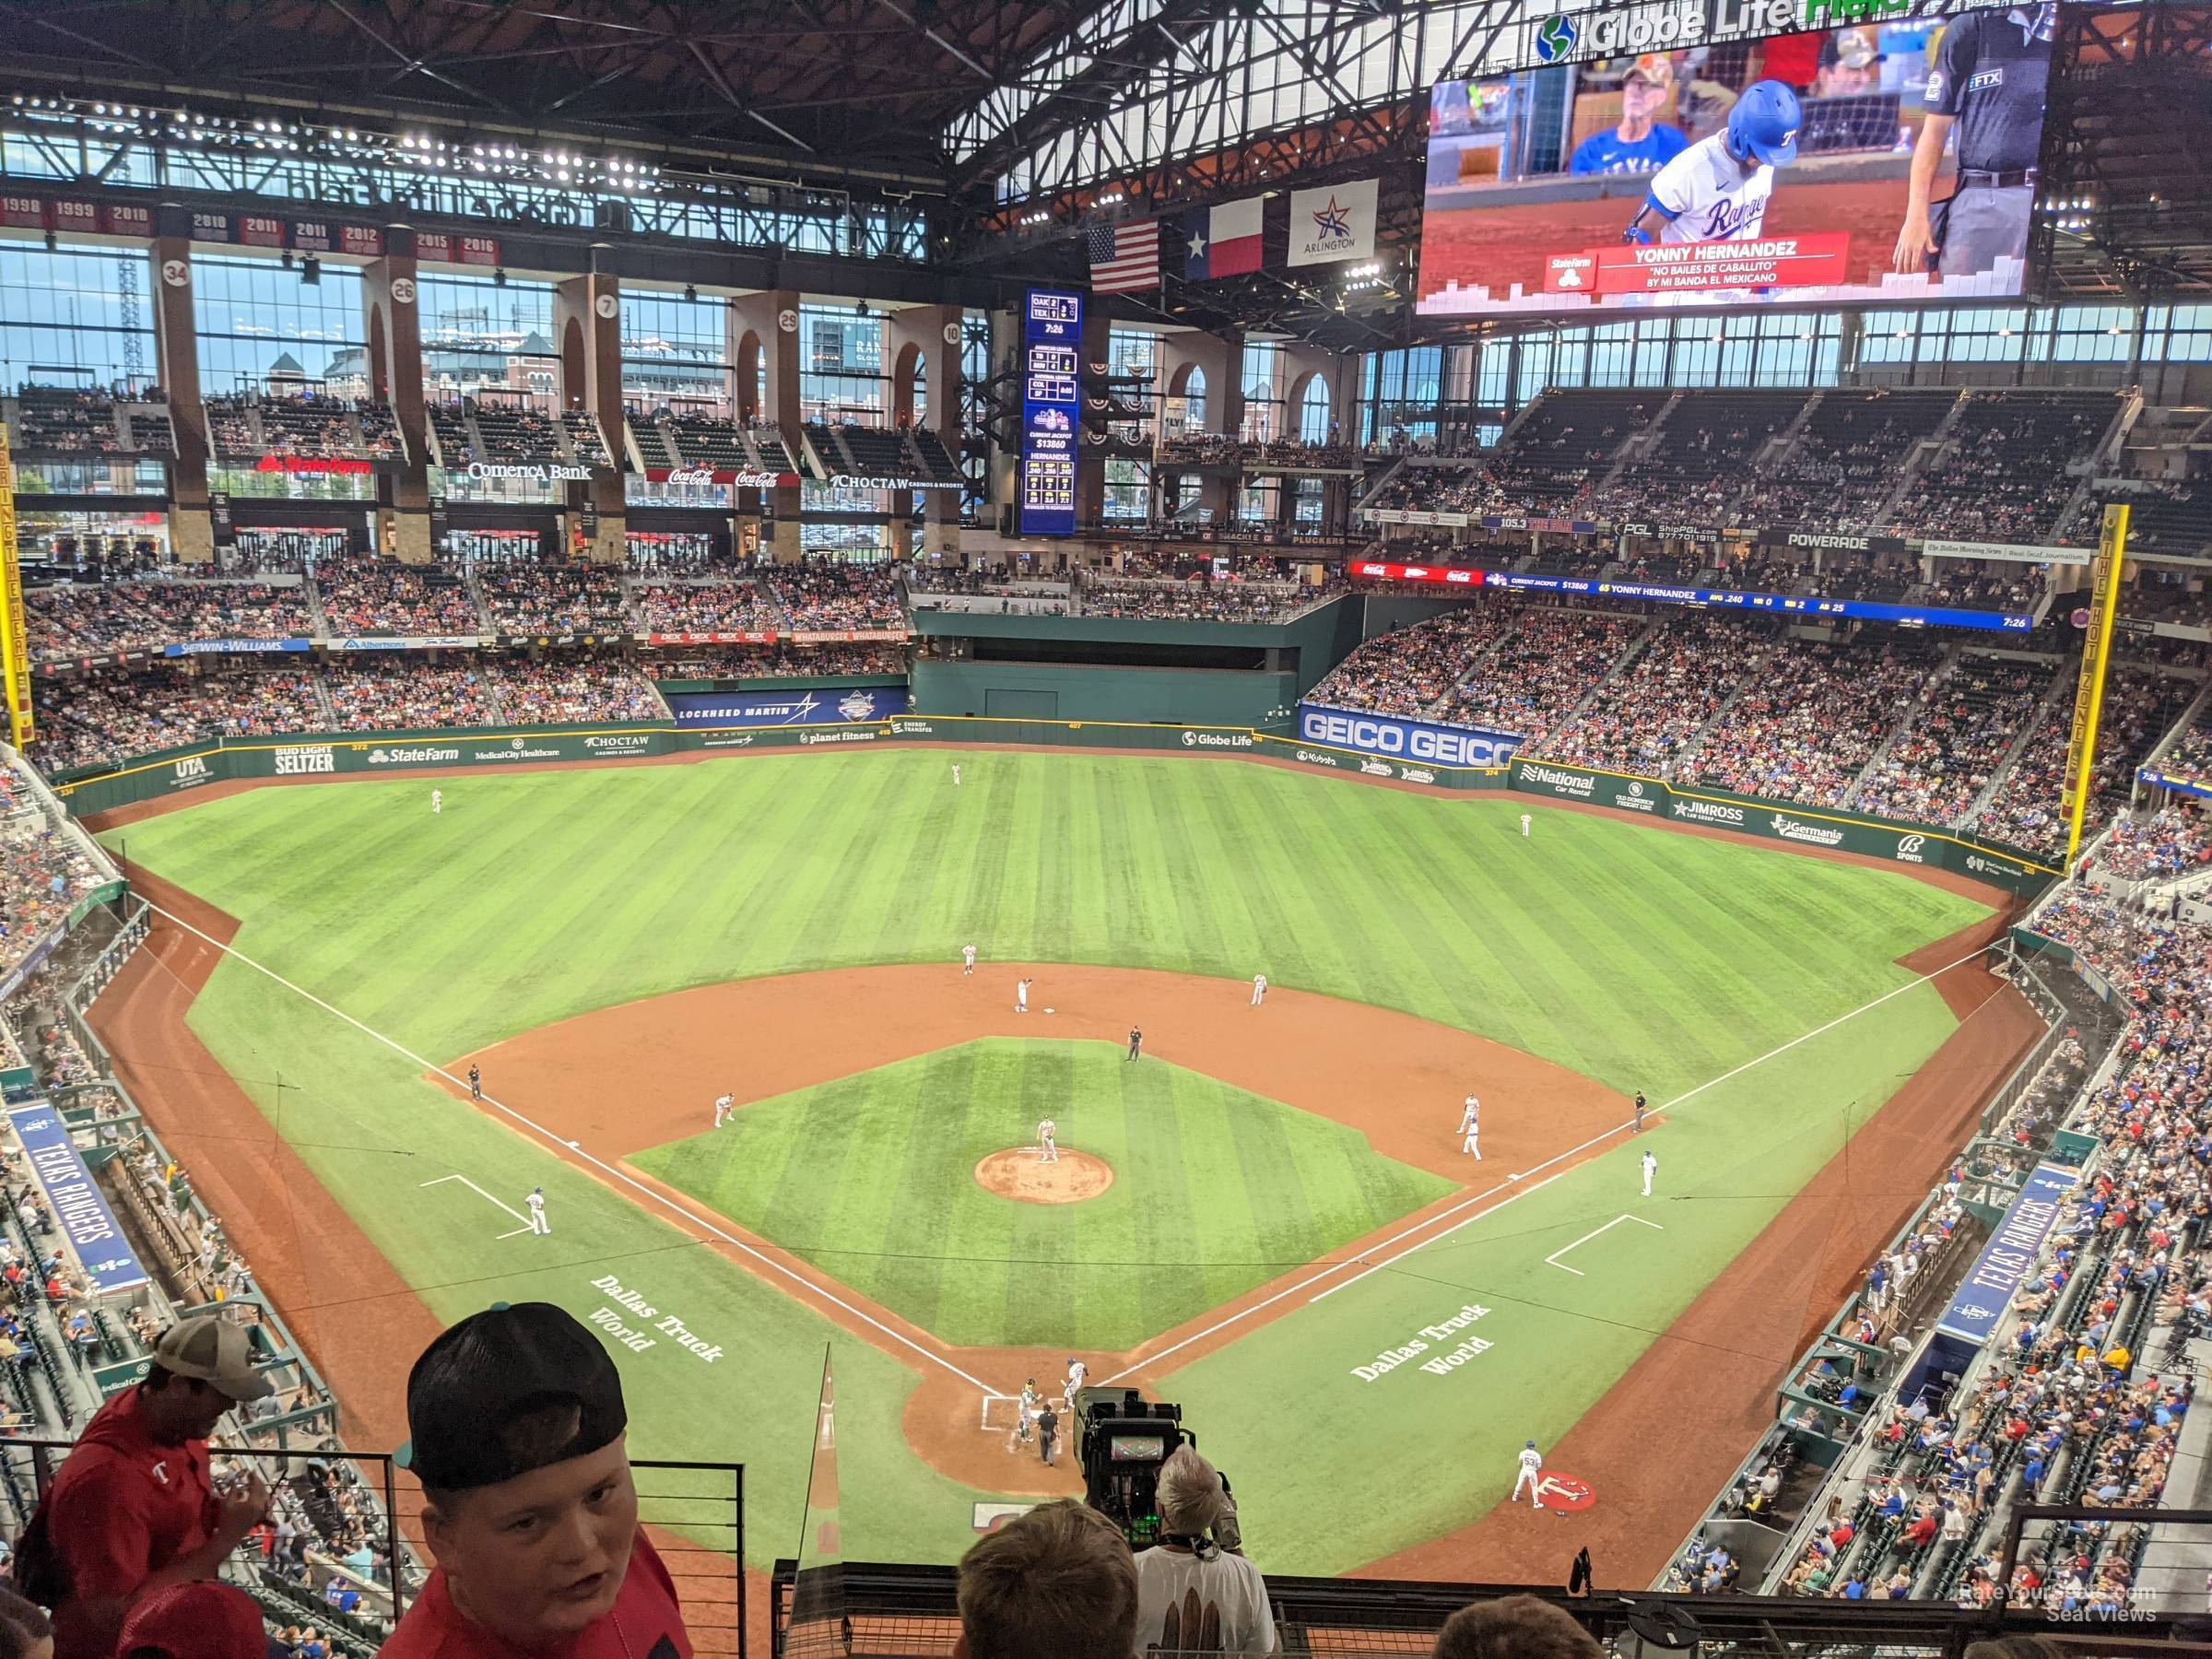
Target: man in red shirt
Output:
[(517, 1422), (133, 1509)]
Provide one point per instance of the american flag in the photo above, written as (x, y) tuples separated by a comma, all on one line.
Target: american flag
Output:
[(1124, 259)]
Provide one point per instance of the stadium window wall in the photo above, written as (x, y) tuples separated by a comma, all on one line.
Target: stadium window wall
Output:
[(842, 379), (264, 330), (675, 356), (1263, 378), (79, 317), (1315, 415), (493, 341), (975, 414)]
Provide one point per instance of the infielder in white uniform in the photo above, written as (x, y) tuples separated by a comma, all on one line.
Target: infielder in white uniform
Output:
[(1021, 996), (724, 1105), (1048, 1150), (1259, 989), (436, 802), (1651, 1166), (1532, 1474), (1470, 1127), (1525, 826), (967, 960), (535, 1204)]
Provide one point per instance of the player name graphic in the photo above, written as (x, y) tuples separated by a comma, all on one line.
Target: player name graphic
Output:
[(1819, 260)]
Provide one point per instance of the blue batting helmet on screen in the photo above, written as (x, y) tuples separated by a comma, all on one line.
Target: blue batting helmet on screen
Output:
[(1763, 124)]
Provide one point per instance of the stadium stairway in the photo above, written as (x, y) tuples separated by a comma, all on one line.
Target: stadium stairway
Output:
[(2031, 729), (1874, 762), (1926, 450)]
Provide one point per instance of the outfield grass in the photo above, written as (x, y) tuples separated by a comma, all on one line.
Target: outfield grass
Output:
[(1642, 958), (871, 1178)]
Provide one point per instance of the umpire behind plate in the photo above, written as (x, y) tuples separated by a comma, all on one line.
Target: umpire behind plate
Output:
[(1992, 71)]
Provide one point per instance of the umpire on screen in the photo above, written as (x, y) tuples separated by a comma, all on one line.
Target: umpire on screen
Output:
[(1992, 71)]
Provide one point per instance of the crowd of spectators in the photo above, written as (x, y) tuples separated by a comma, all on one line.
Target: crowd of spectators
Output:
[(1987, 584), (1199, 598), (373, 596), (2174, 840), (779, 661), (2027, 808), (602, 689), (98, 719), (1640, 718), (2004, 474), (1841, 469), (707, 605), (61, 420), (1409, 672), (377, 695), (1546, 662), (527, 596), (1934, 772), (1812, 714), (832, 594), (94, 620), (43, 873)]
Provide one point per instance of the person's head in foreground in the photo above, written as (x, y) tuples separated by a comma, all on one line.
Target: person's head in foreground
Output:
[(517, 1422), (1059, 1580), (1194, 1502), (199, 1620), (1514, 1627), (25, 1630)]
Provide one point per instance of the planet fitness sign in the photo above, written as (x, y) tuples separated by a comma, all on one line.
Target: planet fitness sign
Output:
[(86, 1220), (1404, 739)]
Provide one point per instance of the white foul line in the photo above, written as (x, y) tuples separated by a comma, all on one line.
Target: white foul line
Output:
[(1368, 1268), (597, 1163), (1554, 1257), (480, 1193)]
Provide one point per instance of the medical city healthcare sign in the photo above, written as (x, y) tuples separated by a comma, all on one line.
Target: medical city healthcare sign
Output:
[(1417, 740)]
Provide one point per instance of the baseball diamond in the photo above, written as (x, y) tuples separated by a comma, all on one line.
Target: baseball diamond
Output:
[(1291, 1219)]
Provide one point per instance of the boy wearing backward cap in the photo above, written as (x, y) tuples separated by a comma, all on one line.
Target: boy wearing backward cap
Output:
[(517, 1422)]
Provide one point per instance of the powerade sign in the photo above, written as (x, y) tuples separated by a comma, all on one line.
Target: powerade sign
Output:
[(1418, 741), (1051, 350), (817, 705), (86, 1220)]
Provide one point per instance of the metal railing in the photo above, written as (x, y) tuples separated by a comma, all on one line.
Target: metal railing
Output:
[(895, 1612), (328, 1496)]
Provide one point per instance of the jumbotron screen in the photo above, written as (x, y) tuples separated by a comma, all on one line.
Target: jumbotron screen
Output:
[(1891, 161)]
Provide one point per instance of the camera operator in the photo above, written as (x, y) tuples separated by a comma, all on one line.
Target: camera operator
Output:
[(1194, 1591)]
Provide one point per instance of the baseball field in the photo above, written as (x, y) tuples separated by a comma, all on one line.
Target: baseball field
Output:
[(1268, 1217)]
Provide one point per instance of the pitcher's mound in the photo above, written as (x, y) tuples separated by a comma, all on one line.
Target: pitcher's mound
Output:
[(1017, 1173)]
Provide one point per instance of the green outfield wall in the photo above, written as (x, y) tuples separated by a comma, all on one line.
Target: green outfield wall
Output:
[(178, 772), (1051, 692)]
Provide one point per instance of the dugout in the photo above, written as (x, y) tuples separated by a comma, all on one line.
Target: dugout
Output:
[(1128, 669)]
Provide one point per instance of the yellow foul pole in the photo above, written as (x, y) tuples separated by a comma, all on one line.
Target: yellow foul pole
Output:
[(15, 646), (2096, 657)]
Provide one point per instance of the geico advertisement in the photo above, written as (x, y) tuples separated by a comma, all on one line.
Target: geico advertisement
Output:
[(1405, 739)]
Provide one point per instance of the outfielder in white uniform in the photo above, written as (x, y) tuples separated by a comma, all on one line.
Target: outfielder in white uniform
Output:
[(1651, 1166), (535, 1204), (1259, 989), (1531, 1476), (967, 960), (724, 1106), (956, 774), (1047, 1151), (1470, 1127), (1525, 826), (436, 802)]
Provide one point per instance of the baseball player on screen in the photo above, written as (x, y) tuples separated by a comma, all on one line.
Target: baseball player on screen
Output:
[(1992, 71), (1717, 190)]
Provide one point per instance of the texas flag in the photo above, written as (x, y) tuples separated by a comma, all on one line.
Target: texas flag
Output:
[(1225, 241)]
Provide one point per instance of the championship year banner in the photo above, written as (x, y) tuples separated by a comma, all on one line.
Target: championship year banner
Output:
[(79, 1208)]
